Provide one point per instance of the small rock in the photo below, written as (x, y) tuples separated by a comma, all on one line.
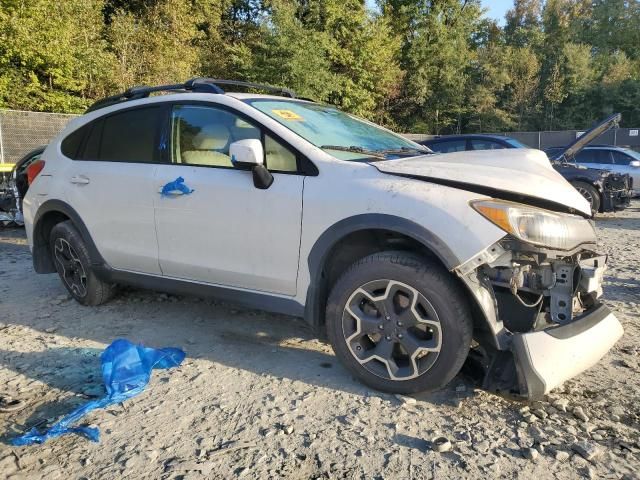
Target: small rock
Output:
[(288, 429), (51, 330), (562, 456), (597, 437), (406, 400), (441, 444), (580, 415), (530, 453), (615, 418), (482, 447), (561, 404), (8, 464)]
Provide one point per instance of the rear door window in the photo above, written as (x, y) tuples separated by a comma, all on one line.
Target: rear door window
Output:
[(449, 146), (483, 144), (130, 136)]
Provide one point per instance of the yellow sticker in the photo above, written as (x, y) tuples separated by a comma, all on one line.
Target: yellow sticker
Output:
[(288, 115)]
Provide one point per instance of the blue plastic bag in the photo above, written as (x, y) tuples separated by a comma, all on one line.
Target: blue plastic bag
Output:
[(176, 186), (126, 370)]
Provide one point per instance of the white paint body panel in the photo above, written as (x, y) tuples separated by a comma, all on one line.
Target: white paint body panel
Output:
[(228, 232), (520, 171), (556, 360)]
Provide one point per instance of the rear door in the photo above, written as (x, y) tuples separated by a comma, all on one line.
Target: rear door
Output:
[(111, 185), (227, 232)]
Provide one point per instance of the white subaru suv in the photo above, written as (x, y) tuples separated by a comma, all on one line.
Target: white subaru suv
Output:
[(402, 257)]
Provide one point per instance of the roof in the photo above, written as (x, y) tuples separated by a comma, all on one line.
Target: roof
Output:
[(194, 85)]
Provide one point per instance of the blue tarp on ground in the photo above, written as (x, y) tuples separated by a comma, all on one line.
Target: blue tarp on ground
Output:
[(126, 370)]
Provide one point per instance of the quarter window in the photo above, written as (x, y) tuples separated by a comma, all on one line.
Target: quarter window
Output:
[(621, 158)]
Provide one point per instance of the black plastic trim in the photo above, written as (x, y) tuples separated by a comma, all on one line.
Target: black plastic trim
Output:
[(41, 256), (318, 256), (257, 300), (581, 323)]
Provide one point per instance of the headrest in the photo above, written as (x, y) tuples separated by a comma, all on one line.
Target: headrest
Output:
[(211, 137)]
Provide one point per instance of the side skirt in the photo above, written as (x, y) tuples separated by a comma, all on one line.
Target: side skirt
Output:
[(250, 299)]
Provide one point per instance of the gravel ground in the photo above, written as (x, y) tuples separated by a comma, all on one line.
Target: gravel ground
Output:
[(259, 397)]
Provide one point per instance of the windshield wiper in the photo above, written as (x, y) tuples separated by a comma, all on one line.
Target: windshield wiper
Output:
[(381, 154), (404, 150), (355, 149)]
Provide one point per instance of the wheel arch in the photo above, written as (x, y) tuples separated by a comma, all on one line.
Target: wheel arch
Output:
[(48, 215), (356, 237)]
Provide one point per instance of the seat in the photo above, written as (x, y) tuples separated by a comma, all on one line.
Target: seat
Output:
[(207, 147)]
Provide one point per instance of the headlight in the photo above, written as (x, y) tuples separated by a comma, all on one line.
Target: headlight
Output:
[(536, 225)]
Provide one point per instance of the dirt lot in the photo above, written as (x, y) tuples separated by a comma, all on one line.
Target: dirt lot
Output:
[(259, 397)]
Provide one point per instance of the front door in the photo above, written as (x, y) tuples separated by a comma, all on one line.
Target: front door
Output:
[(227, 232)]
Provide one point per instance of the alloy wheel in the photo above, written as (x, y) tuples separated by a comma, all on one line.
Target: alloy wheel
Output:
[(72, 271), (392, 330)]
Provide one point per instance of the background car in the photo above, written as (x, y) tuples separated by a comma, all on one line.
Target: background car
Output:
[(15, 187), (460, 143), (607, 157), (606, 191)]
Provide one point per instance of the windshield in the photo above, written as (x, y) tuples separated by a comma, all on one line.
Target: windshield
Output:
[(515, 143), (339, 134)]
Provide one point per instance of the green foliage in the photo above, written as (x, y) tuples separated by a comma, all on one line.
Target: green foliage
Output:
[(436, 66)]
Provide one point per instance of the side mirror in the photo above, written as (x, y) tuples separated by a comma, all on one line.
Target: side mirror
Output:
[(634, 163), (246, 153), (250, 154)]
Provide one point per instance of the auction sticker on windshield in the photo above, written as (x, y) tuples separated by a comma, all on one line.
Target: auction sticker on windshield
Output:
[(288, 115)]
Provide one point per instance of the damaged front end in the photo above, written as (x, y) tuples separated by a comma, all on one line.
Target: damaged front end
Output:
[(543, 321)]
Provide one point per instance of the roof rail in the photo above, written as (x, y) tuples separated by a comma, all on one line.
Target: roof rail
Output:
[(198, 85)]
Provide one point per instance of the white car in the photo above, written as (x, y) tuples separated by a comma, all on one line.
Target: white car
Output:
[(401, 256)]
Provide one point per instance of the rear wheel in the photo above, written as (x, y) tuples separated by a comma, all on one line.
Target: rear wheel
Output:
[(399, 323), (71, 259), (590, 193)]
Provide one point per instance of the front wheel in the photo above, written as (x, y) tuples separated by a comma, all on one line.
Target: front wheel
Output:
[(590, 193), (399, 323)]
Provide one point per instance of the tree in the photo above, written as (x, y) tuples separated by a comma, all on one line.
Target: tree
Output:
[(523, 24), (156, 45), (53, 56)]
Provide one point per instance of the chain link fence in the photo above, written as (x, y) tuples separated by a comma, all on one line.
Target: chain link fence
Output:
[(621, 137), (21, 132)]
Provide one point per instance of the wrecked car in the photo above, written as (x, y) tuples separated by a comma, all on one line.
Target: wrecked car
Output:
[(399, 256), (15, 186), (605, 191)]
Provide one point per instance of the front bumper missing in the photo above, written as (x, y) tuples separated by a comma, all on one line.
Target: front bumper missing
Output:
[(546, 358)]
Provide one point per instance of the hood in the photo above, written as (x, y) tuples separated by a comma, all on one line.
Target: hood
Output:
[(572, 171), (569, 153), (511, 174)]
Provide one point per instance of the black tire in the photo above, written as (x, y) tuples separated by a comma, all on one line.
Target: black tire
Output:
[(589, 192), (427, 281), (71, 259)]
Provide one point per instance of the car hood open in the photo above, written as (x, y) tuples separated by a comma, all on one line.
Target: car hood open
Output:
[(520, 175)]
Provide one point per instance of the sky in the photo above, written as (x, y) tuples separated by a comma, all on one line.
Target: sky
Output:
[(497, 8)]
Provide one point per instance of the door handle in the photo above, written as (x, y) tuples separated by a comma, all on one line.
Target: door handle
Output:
[(177, 187), (80, 180)]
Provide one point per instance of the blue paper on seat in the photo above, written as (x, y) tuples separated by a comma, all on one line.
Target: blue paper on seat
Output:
[(126, 370)]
